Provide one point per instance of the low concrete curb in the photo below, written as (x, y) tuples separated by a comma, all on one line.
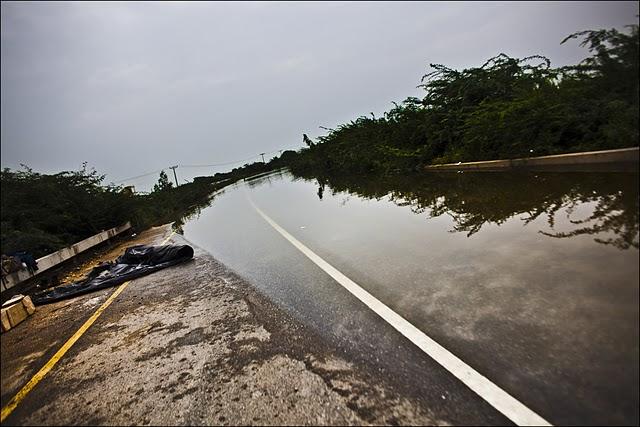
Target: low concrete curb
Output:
[(51, 260), (624, 155)]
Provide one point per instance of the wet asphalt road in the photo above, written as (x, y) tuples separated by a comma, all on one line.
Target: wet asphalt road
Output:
[(554, 322)]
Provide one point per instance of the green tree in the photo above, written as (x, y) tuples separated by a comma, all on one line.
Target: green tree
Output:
[(163, 183), (506, 108)]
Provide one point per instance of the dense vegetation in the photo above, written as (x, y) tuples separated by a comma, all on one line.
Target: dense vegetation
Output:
[(506, 108), (43, 213)]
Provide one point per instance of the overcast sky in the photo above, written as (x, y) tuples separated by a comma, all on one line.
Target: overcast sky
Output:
[(135, 87)]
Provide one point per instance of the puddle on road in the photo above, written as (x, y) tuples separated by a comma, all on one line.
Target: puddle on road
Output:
[(534, 270)]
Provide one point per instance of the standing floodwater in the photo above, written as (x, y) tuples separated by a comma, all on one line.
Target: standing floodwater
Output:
[(530, 278)]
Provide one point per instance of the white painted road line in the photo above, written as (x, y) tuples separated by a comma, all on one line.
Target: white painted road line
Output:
[(494, 395)]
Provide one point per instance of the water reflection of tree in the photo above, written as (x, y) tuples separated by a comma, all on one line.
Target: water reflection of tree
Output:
[(194, 211), (475, 199)]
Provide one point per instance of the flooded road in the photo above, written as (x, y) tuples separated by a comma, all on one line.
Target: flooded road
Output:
[(529, 278)]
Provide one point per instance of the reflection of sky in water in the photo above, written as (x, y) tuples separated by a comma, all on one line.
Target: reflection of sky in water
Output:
[(418, 262), (568, 304)]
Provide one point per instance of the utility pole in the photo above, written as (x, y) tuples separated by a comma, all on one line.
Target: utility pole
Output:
[(262, 154), (174, 174)]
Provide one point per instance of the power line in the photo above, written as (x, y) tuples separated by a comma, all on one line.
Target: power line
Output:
[(138, 176), (226, 163), (195, 166), (218, 164)]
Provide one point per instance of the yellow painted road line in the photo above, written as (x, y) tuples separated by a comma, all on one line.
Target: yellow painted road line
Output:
[(15, 401)]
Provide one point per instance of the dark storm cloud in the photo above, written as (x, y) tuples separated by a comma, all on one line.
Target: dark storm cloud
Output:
[(133, 87)]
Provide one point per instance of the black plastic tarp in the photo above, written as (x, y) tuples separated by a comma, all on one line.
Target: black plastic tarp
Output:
[(135, 262)]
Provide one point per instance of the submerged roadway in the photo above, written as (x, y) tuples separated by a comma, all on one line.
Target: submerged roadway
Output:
[(299, 309)]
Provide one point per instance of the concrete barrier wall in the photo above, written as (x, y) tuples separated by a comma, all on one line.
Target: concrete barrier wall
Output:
[(51, 260), (624, 155)]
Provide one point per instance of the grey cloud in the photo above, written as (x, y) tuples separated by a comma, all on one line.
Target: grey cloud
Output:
[(132, 87)]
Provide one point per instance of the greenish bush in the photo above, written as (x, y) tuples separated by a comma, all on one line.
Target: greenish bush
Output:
[(506, 108), (43, 213)]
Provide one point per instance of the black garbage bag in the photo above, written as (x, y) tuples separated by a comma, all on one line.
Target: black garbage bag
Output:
[(136, 261)]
